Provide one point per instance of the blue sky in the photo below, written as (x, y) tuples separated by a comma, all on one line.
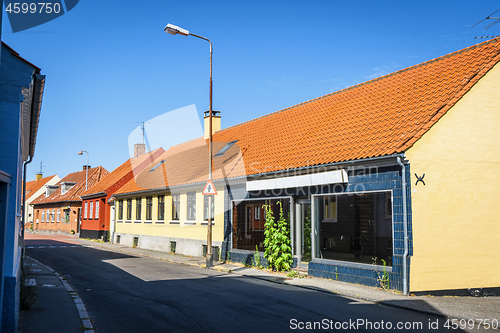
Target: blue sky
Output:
[(109, 64)]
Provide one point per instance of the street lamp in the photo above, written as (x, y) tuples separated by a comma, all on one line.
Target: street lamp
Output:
[(86, 167), (174, 30)]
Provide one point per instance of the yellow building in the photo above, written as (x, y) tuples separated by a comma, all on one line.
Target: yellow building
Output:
[(393, 176)]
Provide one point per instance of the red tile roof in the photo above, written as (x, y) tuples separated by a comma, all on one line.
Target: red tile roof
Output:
[(135, 164), (380, 117), (73, 194), (33, 186)]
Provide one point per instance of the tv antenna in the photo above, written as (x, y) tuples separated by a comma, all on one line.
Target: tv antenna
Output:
[(489, 17), (143, 131), (41, 168)]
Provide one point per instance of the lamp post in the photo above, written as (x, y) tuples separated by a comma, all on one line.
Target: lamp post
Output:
[(86, 167), (174, 30)]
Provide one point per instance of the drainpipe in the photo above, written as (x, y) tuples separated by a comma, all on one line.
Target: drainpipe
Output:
[(405, 227), (24, 199)]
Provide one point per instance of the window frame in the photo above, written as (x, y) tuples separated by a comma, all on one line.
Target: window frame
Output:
[(315, 224), (96, 214), (191, 206), (176, 207), (129, 210), (205, 208), (138, 209), (91, 210), (160, 213), (85, 210), (149, 208), (120, 210)]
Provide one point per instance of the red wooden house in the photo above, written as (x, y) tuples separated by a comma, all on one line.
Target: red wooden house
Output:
[(96, 212)]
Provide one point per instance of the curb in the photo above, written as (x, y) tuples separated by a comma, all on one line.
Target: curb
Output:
[(82, 311)]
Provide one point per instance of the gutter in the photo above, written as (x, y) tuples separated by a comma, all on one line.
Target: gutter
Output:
[(93, 195), (405, 227)]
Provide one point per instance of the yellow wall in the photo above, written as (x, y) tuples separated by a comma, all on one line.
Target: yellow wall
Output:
[(456, 215), (181, 230)]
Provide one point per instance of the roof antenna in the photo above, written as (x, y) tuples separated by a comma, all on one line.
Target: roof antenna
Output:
[(145, 141), (489, 17), (41, 168), (142, 128)]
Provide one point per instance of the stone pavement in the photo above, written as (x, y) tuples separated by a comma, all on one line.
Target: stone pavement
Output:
[(449, 307)]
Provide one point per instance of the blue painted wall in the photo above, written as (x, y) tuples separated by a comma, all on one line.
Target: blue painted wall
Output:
[(362, 179), (14, 75)]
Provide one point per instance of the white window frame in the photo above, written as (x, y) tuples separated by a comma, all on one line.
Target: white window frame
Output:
[(58, 219), (85, 210), (91, 209), (97, 209), (43, 215)]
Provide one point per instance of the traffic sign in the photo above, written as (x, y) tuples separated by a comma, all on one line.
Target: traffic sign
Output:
[(209, 188)]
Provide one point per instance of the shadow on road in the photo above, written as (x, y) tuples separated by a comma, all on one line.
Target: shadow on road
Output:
[(124, 292)]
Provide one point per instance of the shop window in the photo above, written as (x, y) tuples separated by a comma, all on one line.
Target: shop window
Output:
[(191, 206), (249, 222), (362, 230)]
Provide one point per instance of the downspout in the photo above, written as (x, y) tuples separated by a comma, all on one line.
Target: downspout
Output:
[(24, 198), (405, 227)]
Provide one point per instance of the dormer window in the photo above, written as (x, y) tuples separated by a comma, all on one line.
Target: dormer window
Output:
[(49, 189), (65, 186)]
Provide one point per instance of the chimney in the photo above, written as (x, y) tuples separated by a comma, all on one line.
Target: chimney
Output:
[(85, 167), (139, 149), (39, 176), (215, 123)]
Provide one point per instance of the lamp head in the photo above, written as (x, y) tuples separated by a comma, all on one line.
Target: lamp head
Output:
[(174, 30), (80, 153)]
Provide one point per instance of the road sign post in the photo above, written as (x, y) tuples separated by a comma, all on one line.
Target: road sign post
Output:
[(209, 190)]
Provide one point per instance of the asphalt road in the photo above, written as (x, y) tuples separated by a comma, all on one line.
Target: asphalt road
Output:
[(124, 293)]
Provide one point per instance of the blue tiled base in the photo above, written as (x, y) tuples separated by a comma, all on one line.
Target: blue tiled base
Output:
[(357, 275)]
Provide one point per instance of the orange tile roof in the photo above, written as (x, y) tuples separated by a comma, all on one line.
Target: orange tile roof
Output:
[(33, 186), (135, 164), (187, 163), (73, 194), (380, 117)]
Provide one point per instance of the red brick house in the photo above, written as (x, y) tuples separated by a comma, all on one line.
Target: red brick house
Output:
[(59, 208), (96, 215)]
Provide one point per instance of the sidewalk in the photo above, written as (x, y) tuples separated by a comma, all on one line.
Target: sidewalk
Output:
[(57, 308), (454, 307)]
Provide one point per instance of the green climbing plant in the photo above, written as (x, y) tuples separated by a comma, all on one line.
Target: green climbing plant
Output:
[(278, 251)]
